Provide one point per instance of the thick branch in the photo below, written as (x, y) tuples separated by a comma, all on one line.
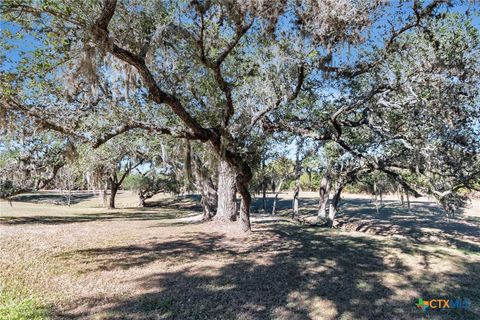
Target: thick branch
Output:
[(138, 62), (240, 32), (150, 128), (42, 122), (106, 15)]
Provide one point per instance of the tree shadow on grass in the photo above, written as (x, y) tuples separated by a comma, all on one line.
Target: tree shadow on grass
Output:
[(284, 272), (425, 223), (165, 209), (134, 214), (190, 201), (46, 197), (282, 204), (188, 247)]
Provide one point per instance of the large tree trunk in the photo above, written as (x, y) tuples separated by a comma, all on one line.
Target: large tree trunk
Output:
[(141, 200), (245, 205), (113, 193), (296, 194), (227, 205), (209, 198), (333, 205), (324, 193), (232, 168), (207, 189)]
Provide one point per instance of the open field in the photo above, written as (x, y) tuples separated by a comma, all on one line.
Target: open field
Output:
[(86, 262)]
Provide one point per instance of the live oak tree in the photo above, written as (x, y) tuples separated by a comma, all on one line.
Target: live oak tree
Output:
[(65, 180), (31, 163), (149, 183), (213, 71), (196, 58), (425, 121), (412, 116), (112, 162), (205, 167), (340, 109)]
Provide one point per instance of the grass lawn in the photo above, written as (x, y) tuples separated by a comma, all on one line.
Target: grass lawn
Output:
[(85, 262)]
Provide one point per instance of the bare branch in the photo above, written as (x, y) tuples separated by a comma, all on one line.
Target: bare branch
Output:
[(363, 67), (41, 121), (240, 32), (261, 114)]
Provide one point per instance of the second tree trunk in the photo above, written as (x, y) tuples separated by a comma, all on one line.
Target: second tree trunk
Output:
[(333, 205), (227, 205), (324, 195)]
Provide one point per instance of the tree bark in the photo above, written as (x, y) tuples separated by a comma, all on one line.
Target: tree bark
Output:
[(324, 193), (333, 206), (295, 199), (188, 166), (245, 204), (207, 189), (141, 200), (113, 193), (243, 176), (227, 204), (209, 199), (113, 190)]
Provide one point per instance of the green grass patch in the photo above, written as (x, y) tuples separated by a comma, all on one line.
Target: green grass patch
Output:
[(15, 306)]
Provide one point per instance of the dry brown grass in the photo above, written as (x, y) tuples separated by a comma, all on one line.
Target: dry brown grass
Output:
[(162, 263)]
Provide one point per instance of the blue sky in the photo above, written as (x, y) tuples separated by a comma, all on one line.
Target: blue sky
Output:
[(28, 43)]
